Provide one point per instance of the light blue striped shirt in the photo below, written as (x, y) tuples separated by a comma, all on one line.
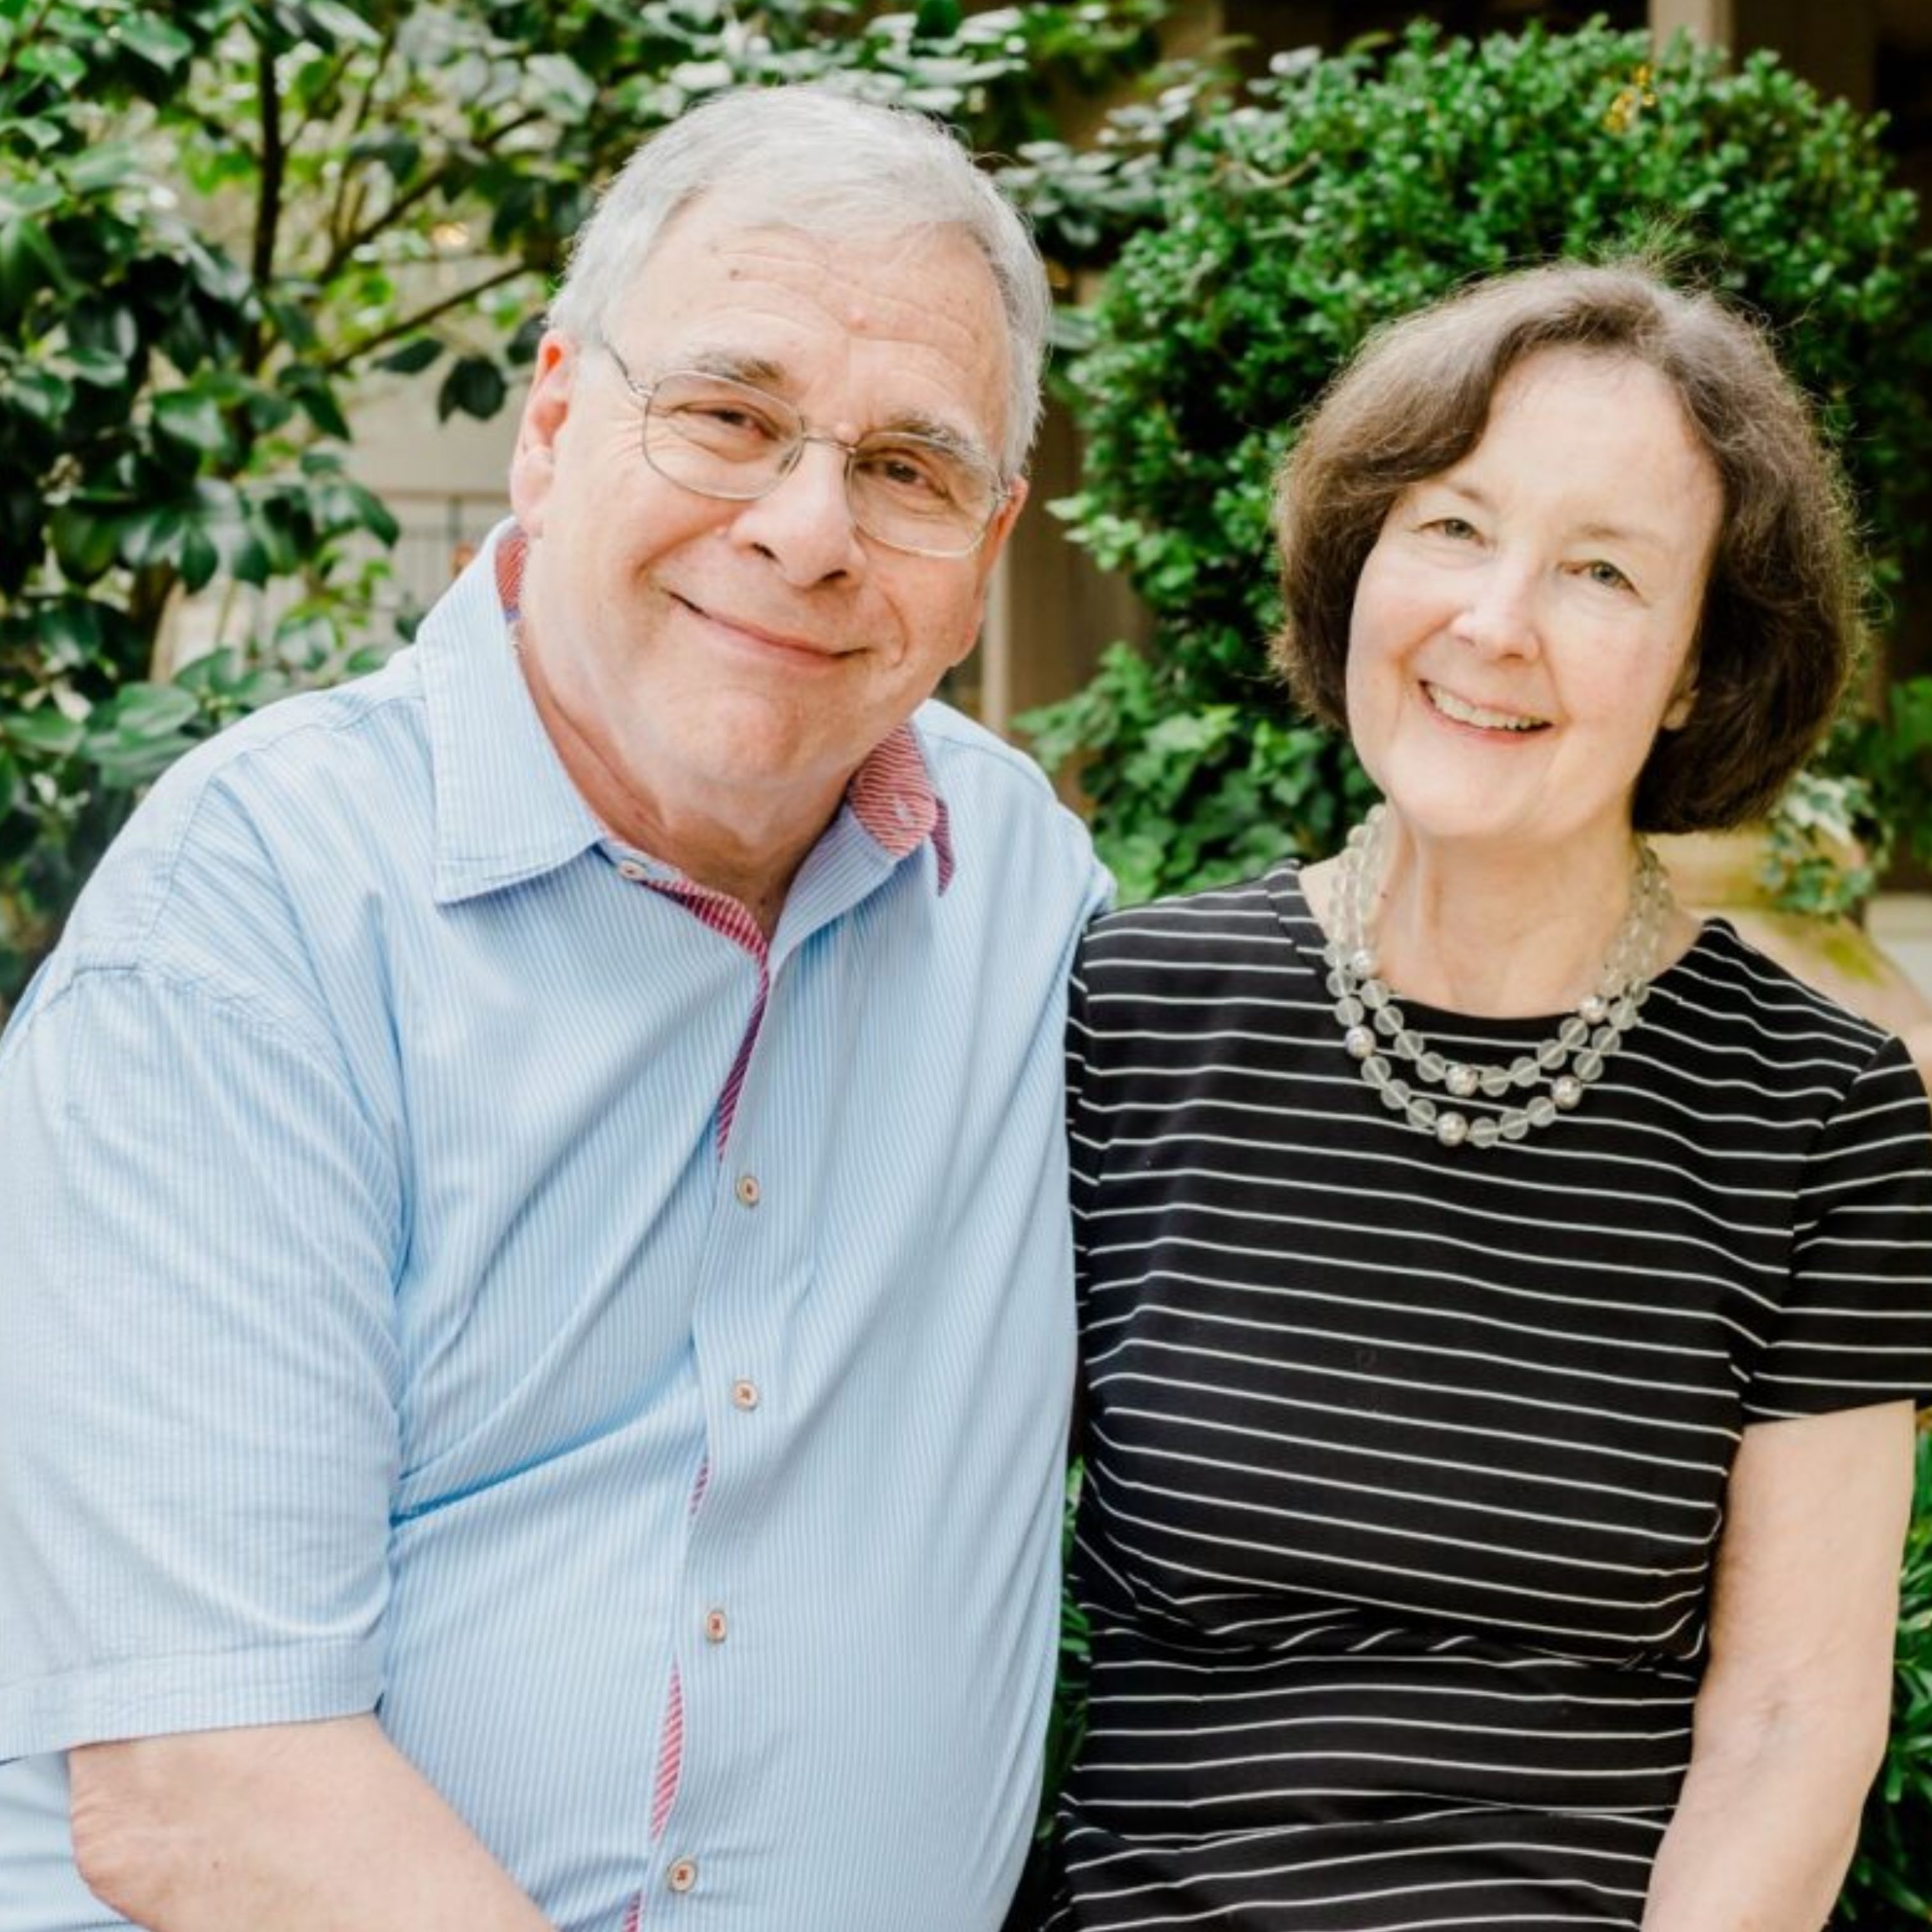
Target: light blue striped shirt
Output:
[(374, 1294)]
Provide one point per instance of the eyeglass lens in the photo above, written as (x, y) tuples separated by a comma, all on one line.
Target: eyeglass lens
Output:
[(726, 438)]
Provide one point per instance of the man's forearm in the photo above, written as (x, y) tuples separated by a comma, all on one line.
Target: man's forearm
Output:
[(307, 1827)]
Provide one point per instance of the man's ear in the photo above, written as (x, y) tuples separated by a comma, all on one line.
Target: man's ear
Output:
[(546, 407)]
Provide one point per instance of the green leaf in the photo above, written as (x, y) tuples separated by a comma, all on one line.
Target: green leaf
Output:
[(150, 710), (936, 20), (45, 732), (84, 541), (316, 395), (199, 557), (28, 261), (414, 356), (156, 43), (192, 418), (474, 386)]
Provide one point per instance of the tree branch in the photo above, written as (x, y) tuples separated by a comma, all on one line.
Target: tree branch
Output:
[(345, 245), (410, 324), (268, 196)]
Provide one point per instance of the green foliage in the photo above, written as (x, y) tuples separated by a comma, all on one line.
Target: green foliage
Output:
[(218, 217), (1342, 192), (1890, 1888)]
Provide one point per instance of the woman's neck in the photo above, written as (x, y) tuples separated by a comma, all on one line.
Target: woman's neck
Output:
[(1499, 933)]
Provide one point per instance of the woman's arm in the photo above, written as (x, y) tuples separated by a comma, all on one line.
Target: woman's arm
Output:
[(1790, 1724)]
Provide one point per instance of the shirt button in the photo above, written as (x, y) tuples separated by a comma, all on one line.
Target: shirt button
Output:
[(745, 1394), (715, 1627), (682, 1876), (629, 868), (747, 1190)]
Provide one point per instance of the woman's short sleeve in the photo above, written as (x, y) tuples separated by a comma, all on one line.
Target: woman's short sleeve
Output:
[(1856, 1325)]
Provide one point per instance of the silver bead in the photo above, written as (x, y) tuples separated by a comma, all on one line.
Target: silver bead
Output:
[(1595, 1009), (1362, 963), (1462, 1081), (1451, 1130), (1567, 1091), (1360, 1041)]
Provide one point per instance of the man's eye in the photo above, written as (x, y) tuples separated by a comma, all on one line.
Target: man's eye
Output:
[(723, 416), (923, 475)]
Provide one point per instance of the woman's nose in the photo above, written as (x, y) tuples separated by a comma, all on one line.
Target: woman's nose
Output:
[(1499, 615)]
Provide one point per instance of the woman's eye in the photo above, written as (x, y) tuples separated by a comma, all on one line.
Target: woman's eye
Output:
[(1459, 528), (1599, 571)]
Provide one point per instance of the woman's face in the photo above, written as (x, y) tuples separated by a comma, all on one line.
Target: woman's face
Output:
[(1523, 627)]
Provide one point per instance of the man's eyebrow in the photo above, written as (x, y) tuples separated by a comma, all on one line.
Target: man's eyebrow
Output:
[(760, 373), (735, 368)]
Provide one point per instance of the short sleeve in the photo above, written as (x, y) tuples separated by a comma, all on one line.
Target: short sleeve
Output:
[(1856, 1324), (198, 1368)]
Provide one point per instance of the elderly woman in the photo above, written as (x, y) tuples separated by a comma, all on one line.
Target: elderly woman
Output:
[(1504, 1298)]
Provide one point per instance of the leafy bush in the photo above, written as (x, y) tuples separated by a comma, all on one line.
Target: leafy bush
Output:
[(1344, 191)]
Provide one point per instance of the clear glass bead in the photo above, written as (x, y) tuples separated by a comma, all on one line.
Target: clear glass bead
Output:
[(1376, 1070), (1551, 1054), (1409, 1043), (1573, 1032), (1524, 1072), (1590, 1066), (1433, 1067), (1423, 1111), (1349, 1010), (1494, 1081), (1515, 1124), (1485, 1131), (1542, 1110)]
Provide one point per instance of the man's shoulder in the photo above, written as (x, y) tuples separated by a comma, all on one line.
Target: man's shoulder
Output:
[(966, 758), (324, 779)]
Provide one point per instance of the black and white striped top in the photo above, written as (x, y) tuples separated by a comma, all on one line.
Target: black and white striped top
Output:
[(1405, 1466)]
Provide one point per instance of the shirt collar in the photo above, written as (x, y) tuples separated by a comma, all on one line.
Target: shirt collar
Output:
[(505, 809)]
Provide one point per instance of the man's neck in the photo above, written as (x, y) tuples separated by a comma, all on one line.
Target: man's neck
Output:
[(750, 849)]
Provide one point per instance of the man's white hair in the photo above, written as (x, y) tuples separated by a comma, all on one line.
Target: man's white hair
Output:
[(807, 157)]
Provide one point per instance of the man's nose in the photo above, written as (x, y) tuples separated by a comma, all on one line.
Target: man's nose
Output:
[(804, 523)]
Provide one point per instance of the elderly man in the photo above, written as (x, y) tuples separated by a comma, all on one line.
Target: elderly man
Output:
[(536, 1330)]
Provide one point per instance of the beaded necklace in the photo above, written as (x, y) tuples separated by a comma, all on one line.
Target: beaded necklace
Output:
[(1560, 1069)]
